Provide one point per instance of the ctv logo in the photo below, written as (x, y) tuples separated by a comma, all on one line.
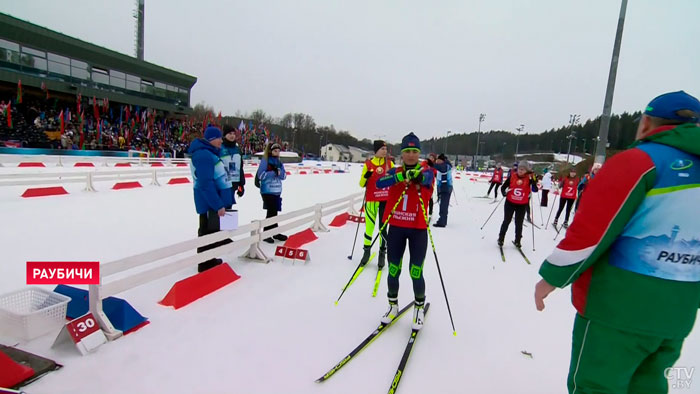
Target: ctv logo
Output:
[(679, 377), (63, 273)]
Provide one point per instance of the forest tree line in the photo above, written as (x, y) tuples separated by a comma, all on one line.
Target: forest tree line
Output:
[(303, 135)]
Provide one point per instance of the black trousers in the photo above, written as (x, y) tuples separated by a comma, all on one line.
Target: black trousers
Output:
[(444, 207), (417, 240), (271, 204), (430, 207), (495, 192), (545, 200), (209, 224), (569, 202), (509, 209)]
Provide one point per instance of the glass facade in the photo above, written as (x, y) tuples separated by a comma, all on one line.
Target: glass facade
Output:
[(36, 62)]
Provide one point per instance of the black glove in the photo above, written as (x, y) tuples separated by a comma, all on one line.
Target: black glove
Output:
[(241, 191), (270, 167), (368, 174), (504, 192)]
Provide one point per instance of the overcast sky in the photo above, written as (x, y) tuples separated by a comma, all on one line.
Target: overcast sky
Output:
[(386, 67)]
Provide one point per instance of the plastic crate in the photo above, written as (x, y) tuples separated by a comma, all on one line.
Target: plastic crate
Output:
[(32, 312)]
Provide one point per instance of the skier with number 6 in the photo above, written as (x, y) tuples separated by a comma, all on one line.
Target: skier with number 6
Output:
[(516, 190), (410, 186)]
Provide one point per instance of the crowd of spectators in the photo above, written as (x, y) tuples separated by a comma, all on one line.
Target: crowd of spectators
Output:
[(36, 123)]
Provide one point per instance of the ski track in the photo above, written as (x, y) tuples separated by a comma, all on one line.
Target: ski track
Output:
[(276, 330)]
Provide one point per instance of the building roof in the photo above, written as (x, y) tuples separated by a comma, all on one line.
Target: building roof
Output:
[(30, 34)]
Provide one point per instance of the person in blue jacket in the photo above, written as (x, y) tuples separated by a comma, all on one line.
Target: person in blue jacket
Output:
[(271, 173), (233, 162), (212, 191), (444, 187)]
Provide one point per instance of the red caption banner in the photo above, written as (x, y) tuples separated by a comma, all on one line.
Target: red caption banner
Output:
[(63, 272)]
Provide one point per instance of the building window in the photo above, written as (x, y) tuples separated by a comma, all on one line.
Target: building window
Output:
[(117, 79), (100, 76), (59, 68), (33, 58), (147, 87), (58, 59)]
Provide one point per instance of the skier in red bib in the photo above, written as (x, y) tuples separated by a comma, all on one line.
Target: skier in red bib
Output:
[(568, 186), (496, 181), (516, 189), (410, 187), (375, 199)]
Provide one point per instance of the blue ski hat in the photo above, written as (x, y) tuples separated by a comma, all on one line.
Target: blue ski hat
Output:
[(410, 141), (667, 106), (212, 133)]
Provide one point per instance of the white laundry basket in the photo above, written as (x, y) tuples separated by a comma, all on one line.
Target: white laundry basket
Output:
[(32, 312)]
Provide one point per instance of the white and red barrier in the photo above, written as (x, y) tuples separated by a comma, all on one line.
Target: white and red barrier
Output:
[(124, 274)]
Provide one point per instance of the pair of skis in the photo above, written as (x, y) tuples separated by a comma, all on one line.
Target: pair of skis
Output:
[(367, 341), (377, 280), (503, 256)]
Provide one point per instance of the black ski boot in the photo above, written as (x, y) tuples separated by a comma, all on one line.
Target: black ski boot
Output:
[(365, 255), (280, 237), (565, 225), (517, 244), (382, 257), (500, 242)]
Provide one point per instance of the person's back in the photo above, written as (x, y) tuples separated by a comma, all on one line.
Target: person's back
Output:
[(211, 191), (631, 256)]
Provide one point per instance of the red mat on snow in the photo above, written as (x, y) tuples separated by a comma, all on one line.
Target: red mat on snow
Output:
[(295, 241)]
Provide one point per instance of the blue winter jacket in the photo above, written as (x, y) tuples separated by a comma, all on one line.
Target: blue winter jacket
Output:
[(270, 178), (444, 177), (212, 191)]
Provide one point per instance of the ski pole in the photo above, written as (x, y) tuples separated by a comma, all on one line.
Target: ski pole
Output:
[(494, 211), (551, 210), (357, 229), (403, 194), (437, 263), (533, 228)]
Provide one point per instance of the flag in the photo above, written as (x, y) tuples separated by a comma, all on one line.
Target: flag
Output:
[(218, 119), (19, 91), (79, 103), (121, 114), (241, 126), (128, 112), (62, 123), (95, 110), (45, 89), (82, 136), (206, 120), (99, 132), (9, 114)]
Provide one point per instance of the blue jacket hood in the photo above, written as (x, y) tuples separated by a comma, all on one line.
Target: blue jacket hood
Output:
[(200, 144)]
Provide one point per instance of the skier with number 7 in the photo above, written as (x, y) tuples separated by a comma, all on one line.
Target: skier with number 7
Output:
[(407, 224)]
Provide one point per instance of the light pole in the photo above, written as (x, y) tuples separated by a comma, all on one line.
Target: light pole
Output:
[(595, 141), (448, 134), (517, 140), (607, 105), (478, 133), (573, 119)]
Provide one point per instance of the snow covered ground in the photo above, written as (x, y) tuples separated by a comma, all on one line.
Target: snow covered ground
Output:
[(276, 329)]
